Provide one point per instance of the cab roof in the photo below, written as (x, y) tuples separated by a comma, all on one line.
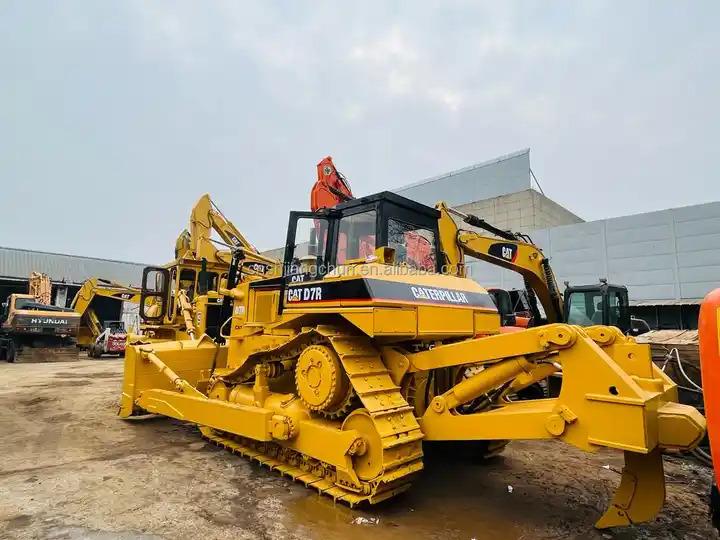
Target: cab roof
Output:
[(394, 198)]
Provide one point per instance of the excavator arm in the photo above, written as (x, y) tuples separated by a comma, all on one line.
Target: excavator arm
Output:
[(505, 249), (40, 287), (196, 241), (85, 304)]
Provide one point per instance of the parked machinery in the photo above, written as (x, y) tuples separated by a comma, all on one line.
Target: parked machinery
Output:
[(335, 372), (100, 303), (112, 340), (33, 330), (190, 305)]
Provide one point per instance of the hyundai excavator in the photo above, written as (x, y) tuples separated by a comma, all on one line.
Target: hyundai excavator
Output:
[(336, 373), (33, 330)]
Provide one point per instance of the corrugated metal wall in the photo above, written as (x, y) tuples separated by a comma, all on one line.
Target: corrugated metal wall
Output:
[(18, 263), (667, 255)]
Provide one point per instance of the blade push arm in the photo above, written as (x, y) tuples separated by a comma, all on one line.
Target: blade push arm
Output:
[(612, 396)]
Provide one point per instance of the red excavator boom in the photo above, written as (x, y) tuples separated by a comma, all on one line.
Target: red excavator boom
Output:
[(331, 187)]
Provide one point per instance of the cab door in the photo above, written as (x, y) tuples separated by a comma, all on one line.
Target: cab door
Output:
[(154, 294)]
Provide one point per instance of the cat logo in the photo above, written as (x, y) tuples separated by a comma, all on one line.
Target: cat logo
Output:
[(304, 294), (505, 251), (256, 267)]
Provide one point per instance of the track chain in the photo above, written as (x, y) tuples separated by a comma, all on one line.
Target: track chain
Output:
[(393, 418)]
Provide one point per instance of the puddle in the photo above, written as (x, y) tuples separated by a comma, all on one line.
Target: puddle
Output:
[(446, 501)]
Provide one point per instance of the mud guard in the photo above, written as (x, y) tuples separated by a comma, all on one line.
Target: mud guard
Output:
[(641, 493)]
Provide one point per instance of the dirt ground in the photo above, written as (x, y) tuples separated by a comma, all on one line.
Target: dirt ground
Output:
[(71, 469)]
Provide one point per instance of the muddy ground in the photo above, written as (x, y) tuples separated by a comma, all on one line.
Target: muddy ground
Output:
[(71, 469)]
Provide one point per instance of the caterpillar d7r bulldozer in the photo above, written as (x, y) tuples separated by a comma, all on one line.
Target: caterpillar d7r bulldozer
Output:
[(336, 371)]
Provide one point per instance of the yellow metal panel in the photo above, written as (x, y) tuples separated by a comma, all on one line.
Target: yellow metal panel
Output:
[(362, 319), (395, 321), (445, 320), (626, 431), (486, 323), (265, 306), (520, 420)]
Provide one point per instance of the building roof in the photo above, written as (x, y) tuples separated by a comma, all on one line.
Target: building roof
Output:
[(17, 264), (505, 174)]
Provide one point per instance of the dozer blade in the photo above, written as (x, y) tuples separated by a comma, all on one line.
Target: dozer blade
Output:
[(641, 493)]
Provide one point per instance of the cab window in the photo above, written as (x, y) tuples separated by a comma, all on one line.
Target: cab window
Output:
[(23, 303), (616, 309), (356, 238), (187, 281), (585, 308), (212, 281), (414, 246), (307, 259)]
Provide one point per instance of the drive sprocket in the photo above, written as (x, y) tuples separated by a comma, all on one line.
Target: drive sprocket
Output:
[(321, 382)]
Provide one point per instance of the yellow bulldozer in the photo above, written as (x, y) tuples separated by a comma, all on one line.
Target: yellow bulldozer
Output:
[(371, 341), (196, 274), (192, 302)]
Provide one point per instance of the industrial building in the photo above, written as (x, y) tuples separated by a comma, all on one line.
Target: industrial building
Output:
[(66, 272), (668, 259), (500, 191)]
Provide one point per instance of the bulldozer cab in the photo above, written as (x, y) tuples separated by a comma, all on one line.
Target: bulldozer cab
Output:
[(352, 231), (160, 285), (606, 304)]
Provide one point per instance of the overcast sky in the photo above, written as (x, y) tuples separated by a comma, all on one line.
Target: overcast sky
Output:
[(116, 117)]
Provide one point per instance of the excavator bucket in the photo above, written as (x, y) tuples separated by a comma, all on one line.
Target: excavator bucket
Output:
[(641, 493)]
